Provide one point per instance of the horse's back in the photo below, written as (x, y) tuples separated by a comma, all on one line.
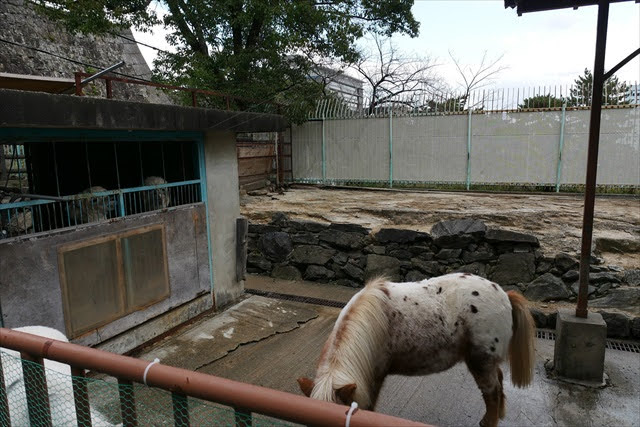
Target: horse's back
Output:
[(435, 322)]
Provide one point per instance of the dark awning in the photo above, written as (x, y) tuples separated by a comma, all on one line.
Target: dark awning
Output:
[(525, 6)]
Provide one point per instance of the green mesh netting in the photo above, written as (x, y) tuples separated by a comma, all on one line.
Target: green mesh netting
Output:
[(109, 401)]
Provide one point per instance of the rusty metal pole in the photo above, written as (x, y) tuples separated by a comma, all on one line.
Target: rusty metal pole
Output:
[(107, 82), (78, 78), (81, 397), (248, 397), (592, 158), (36, 391)]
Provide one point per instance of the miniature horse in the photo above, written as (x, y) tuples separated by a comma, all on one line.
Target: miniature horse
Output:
[(419, 328)]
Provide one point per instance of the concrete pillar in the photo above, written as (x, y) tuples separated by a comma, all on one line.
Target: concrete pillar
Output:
[(580, 347), (224, 208)]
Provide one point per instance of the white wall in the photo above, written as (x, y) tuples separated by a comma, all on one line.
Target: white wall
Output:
[(224, 208), (506, 147)]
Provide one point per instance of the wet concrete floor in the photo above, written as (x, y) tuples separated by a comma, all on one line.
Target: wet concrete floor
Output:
[(272, 342)]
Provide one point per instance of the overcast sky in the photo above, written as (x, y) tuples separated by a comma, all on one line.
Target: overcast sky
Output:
[(542, 48)]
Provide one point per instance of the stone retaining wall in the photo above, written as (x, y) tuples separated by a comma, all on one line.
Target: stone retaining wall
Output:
[(349, 254)]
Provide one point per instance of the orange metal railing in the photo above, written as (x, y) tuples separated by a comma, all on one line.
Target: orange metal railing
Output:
[(109, 79), (245, 398)]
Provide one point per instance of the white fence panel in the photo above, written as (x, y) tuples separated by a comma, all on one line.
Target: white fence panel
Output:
[(357, 150), (505, 148), (515, 147), (421, 143)]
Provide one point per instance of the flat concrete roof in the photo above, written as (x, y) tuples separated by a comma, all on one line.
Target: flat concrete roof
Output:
[(44, 110)]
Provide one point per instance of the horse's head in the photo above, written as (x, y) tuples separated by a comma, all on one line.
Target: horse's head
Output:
[(344, 395)]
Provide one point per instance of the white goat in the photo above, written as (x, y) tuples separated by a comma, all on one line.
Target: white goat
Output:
[(90, 209), (158, 198)]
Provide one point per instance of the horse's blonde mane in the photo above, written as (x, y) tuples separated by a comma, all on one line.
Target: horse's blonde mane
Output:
[(354, 346)]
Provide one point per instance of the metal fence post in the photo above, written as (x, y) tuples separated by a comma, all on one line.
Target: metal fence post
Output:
[(324, 159), (81, 397), (180, 410), (4, 403), (561, 146), (391, 148), (35, 387), (127, 403), (469, 149)]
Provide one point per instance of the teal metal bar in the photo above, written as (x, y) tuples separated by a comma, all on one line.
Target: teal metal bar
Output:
[(121, 203), (324, 158), (100, 194), (21, 135), (469, 150), (202, 168), (561, 146), (391, 147)]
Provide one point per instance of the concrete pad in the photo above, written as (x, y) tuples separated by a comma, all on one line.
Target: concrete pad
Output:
[(450, 398), (251, 320), (580, 347), (277, 362)]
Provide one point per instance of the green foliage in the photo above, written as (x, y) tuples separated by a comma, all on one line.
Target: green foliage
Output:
[(98, 16), (456, 103), (541, 101), (258, 49), (613, 93)]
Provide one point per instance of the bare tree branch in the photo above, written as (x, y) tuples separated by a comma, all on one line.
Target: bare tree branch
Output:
[(392, 76), (477, 77)]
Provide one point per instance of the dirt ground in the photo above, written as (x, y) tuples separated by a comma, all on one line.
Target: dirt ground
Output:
[(556, 220)]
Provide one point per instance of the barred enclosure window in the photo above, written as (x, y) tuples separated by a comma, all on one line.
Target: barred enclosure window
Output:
[(107, 278)]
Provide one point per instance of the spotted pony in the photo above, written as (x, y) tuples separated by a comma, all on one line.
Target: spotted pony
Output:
[(420, 328)]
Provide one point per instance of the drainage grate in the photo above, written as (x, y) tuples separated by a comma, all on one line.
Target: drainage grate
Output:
[(544, 334), (612, 344), (296, 298)]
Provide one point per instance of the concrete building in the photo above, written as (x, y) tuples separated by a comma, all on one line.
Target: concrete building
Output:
[(633, 94), (125, 259)]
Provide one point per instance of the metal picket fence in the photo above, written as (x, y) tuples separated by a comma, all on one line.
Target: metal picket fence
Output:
[(502, 139)]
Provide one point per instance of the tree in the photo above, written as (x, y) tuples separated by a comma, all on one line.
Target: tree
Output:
[(614, 91), (393, 77), (542, 101), (261, 49), (474, 78)]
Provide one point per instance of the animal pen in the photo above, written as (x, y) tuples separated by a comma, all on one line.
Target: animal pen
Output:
[(488, 139), (51, 181), (58, 180)]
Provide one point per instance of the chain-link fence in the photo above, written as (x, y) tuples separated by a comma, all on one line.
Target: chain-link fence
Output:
[(107, 401)]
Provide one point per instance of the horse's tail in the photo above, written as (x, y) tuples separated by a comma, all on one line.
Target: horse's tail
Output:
[(522, 352)]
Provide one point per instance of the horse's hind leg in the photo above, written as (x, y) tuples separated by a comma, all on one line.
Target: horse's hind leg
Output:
[(503, 399), (487, 374)]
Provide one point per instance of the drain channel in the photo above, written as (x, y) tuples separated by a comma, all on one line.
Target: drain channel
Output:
[(296, 298), (544, 334), (612, 344)]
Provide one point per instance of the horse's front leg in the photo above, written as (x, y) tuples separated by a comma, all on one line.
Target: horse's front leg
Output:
[(486, 374)]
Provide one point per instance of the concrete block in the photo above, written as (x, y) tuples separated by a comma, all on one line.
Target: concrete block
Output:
[(580, 346)]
